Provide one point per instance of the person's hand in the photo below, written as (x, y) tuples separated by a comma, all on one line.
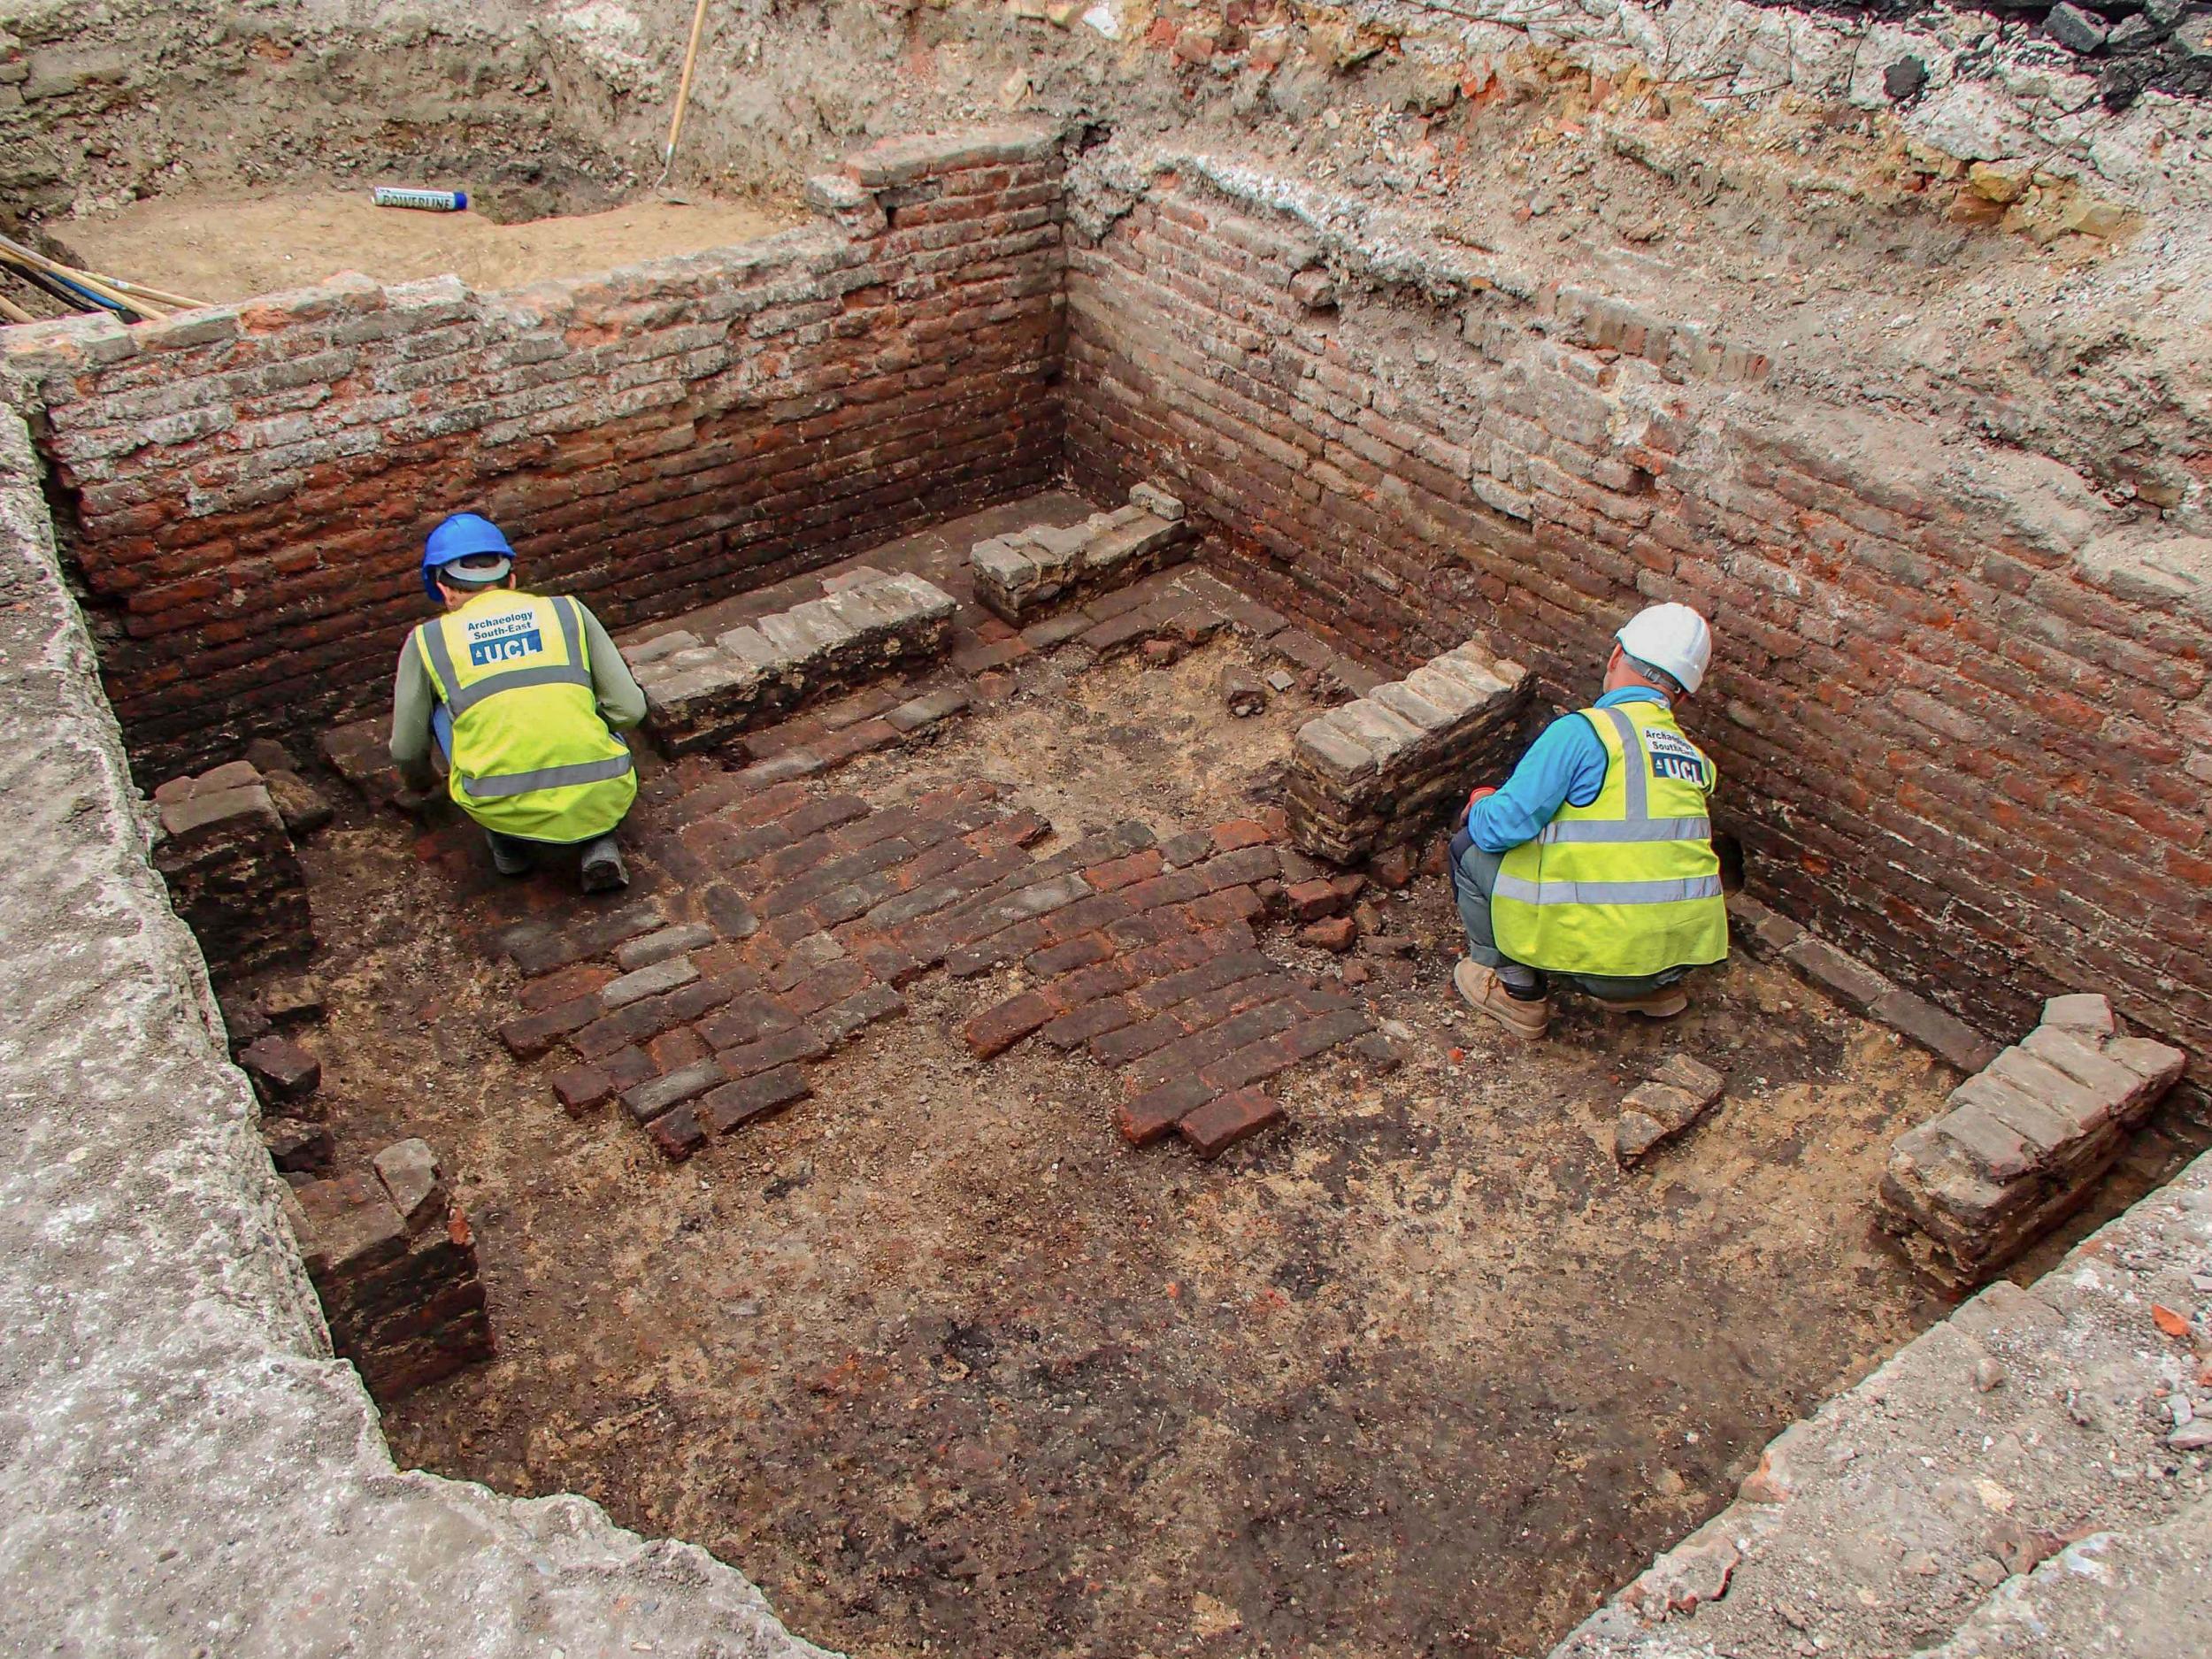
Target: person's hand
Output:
[(1477, 794)]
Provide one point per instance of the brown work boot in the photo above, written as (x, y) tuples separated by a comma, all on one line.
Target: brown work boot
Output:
[(1664, 1003), (1482, 990)]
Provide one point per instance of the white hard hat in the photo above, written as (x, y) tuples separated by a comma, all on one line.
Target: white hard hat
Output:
[(1673, 637)]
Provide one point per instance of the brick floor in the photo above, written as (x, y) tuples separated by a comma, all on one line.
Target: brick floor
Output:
[(772, 918)]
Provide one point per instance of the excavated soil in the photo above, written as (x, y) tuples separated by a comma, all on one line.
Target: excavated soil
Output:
[(945, 1366), (216, 248)]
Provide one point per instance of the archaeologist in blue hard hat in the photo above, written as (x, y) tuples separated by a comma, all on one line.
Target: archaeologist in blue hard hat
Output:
[(523, 696), (1594, 863)]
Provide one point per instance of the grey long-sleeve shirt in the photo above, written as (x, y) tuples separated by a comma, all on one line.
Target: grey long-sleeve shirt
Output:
[(621, 702)]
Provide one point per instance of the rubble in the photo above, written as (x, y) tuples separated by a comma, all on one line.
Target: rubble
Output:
[(233, 872), (394, 1262), (2024, 1140), (1680, 1093)]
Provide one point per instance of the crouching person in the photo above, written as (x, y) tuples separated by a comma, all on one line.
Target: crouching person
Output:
[(1594, 863), (524, 695)]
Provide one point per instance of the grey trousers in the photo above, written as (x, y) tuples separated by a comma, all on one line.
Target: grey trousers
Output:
[(1474, 876)]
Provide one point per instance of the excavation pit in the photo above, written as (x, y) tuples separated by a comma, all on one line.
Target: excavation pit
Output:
[(936, 1358), (908, 1332)]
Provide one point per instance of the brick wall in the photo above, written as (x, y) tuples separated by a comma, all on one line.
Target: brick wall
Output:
[(245, 491), (1959, 703)]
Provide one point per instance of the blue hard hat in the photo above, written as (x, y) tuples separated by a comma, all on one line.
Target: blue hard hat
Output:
[(456, 538)]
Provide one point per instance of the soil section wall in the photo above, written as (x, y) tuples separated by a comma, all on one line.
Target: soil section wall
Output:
[(1959, 700), (250, 485)]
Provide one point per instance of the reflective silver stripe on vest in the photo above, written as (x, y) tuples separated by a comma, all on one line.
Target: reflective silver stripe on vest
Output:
[(558, 778), (1637, 765), (460, 699), (1606, 891), (1650, 829)]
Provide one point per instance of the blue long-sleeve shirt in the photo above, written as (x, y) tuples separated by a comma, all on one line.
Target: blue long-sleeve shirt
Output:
[(1563, 766)]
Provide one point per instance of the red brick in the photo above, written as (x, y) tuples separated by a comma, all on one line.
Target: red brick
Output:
[(1208, 975), (1120, 873), (832, 983), (1310, 901), (674, 1049), (1093, 1019), (678, 1133), (1213, 1128), (627, 1067), (1242, 831), (778, 1049), (640, 1022), (565, 986), (999, 1028), (752, 1099), (1336, 933), (1154, 1115), (1393, 866), (1065, 958), (529, 1036), (582, 1088), (1230, 905)]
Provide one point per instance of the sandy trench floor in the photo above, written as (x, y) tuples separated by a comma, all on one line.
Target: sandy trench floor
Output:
[(218, 249), (945, 1367)]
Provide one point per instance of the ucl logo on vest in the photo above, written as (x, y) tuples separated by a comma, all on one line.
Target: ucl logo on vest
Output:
[(502, 639), (1676, 758)]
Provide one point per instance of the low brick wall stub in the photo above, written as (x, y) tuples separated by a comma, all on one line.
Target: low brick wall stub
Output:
[(1960, 703), (188, 1470), (251, 483)]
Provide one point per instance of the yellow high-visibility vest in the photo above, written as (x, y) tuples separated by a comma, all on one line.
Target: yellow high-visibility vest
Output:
[(1628, 885), (531, 756)]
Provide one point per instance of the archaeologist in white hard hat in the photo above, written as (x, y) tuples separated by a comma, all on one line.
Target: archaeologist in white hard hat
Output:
[(1594, 863)]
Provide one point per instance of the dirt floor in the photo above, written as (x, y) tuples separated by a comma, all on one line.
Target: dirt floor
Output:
[(945, 1366), (215, 249)]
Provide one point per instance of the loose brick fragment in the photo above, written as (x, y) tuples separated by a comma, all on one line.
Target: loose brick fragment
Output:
[(282, 1071), (1333, 933), (1310, 901), (678, 1133), (1213, 1128)]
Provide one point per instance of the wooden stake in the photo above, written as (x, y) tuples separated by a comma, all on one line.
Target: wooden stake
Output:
[(683, 88), (14, 312)]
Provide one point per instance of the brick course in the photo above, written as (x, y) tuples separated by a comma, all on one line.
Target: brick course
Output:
[(252, 490), (1959, 707)]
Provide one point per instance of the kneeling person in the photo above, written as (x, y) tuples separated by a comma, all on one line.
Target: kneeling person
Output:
[(523, 695), (1594, 861)]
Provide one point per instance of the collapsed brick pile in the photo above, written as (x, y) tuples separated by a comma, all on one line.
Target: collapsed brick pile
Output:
[(797, 916), (2024, 1140), (233, 872), (394, 1261)]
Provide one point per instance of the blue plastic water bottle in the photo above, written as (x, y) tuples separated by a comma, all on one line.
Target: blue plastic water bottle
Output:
[(428, 201)]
